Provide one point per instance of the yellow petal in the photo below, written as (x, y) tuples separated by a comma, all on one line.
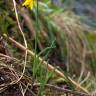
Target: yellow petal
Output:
[(29, 3)]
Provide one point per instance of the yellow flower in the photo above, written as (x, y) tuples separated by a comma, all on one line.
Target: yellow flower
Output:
[(30, 3)]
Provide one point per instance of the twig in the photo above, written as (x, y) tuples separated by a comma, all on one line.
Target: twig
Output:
[(50, 67), (59, 89), (9, 57)]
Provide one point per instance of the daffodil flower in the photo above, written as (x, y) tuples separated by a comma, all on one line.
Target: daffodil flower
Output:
[(29, 3)]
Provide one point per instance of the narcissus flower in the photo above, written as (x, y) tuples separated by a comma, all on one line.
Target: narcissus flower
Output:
[(30, 3)]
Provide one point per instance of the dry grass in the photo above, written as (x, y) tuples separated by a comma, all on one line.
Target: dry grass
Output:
[(79, 51)]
